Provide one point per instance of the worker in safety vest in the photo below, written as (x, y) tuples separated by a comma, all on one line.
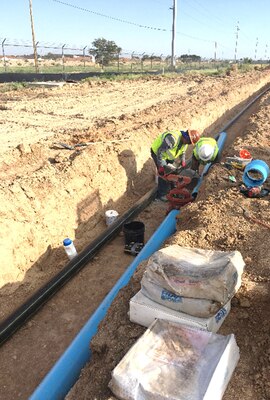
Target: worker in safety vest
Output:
[(206, 151), (167, 148)]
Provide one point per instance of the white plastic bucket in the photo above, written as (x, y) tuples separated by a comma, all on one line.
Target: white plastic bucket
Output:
[(111, 216)]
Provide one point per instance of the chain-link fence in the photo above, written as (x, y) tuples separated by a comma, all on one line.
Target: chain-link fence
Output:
[(62, 58)]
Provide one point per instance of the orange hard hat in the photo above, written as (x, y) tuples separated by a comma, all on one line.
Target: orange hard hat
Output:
[(194, 136)]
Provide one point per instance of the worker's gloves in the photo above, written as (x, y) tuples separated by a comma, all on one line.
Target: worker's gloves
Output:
[(161, 171), (169, 168)]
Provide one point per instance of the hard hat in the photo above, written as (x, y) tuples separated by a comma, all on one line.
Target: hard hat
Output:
[(245, 154), (206, 152), (193, 135)]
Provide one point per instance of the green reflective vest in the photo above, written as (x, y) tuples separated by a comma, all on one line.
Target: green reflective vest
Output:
[(200, 143), (175, 152)]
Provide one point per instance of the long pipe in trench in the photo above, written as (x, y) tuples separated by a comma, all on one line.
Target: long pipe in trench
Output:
[(27, 309), (232, 121), (15, 320)]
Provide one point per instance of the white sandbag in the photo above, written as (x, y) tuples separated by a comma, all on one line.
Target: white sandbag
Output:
[(202, 308), (173, 362), (196, 273), (144, 311)]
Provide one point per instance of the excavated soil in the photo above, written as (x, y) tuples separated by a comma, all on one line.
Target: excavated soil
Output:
[(49, 192)]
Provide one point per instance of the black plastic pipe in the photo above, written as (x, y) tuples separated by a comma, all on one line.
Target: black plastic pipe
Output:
[(27, 309), (244, 110)]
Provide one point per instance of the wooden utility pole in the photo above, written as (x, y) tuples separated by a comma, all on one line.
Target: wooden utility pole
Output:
[(33, 35), (173, 34), (236, 42), (256, 48)]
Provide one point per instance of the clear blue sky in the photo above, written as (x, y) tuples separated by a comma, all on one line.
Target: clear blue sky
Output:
[(199, 24)]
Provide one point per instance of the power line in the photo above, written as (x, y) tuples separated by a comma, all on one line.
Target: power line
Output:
[(109, 17), (129, 22), (195, 38), (207, 11), (200, 22)]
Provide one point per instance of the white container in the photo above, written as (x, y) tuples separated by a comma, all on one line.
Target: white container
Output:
[(70, 248), (111, 216)]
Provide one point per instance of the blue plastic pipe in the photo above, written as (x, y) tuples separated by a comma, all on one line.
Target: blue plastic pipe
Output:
[(221, 139), (66, 371)]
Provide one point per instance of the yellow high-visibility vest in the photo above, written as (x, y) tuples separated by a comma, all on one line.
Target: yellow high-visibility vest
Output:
[(173, 153)]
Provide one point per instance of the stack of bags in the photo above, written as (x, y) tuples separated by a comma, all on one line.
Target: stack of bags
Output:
[(185, 296), (174, 362), (187, 285)]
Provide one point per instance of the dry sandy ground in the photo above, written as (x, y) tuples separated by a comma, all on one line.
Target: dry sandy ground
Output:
[(48, 193)]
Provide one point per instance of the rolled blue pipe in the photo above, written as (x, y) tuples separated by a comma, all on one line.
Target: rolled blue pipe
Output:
[(221, 139), (66, 371), (258, 166)]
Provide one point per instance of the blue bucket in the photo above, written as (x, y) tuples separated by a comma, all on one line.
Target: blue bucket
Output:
[(259, 168)]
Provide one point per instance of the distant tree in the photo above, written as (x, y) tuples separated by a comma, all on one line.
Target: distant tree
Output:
[(52, 56), (104, 50), (190, 58), (247, 60)]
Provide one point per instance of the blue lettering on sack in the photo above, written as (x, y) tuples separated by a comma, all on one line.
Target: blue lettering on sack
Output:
[(220, 314), (235, 277), (166, 295)]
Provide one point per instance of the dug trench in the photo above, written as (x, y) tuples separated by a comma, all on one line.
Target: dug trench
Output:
[(214, 221), (55, 193)]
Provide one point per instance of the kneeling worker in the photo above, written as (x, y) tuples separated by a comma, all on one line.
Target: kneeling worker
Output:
[(206, 151), (168, 147)]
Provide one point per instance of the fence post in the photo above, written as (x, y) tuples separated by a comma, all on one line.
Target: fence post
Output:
[(37, 69), (132, 54), (142, 61), (63, 58), (4, 57), (152, 60), (84, 56), (118, 62), (160, 59)]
